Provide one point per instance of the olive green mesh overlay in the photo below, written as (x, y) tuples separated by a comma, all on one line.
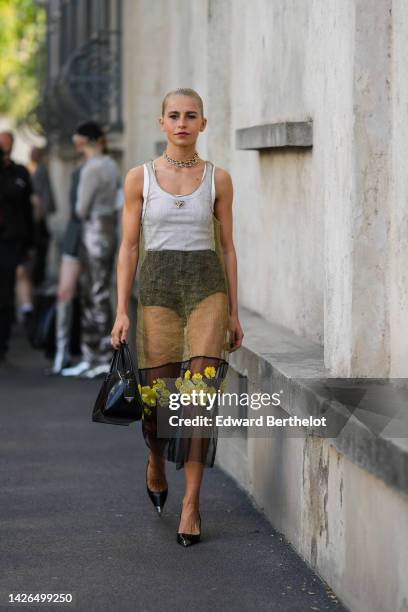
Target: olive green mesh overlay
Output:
[(182, 341)]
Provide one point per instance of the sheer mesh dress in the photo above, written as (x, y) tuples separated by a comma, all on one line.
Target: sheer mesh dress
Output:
[(182, 331)]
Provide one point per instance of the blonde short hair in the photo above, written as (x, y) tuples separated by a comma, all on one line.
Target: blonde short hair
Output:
[(184, 91)]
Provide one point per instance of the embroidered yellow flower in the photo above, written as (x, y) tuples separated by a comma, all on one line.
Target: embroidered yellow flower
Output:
[(209, 372), (200, 386), (158, 394), (197, 384), (159, 383), (187, 386), (148, 395)]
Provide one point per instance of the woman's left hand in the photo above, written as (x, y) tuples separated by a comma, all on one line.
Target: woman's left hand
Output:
[(236, 334)]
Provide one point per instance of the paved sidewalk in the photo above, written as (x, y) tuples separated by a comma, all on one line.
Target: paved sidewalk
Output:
[(75, 517)]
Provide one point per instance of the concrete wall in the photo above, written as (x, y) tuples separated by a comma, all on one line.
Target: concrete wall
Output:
[(398, 292), (277, 230), (163, 48)]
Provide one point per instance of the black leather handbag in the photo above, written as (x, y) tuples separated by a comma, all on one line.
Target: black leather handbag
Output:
[(119, 401)]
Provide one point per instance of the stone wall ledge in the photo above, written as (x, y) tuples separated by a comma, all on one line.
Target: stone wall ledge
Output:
[(275, 135), (367, 418)]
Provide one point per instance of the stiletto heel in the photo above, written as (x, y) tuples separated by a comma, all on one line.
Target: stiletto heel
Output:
[(158, 497), (188, 539)]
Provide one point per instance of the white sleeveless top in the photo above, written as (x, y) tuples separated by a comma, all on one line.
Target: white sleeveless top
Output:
[(181, 222)]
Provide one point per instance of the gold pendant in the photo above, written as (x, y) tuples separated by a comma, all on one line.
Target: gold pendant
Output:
[(179, 203)]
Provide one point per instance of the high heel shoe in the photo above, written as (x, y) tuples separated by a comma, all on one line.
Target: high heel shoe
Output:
[(158, 497), (188, 539)]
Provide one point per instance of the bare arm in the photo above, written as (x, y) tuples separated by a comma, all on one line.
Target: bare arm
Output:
[(223, 212), (128, 252)]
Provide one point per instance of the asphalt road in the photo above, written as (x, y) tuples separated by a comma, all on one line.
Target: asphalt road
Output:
[(75, 516)]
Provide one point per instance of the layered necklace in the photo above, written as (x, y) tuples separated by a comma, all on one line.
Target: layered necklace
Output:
[(182, 163)]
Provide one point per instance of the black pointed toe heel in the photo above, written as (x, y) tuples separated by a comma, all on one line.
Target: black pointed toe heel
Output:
[(188, 539), (158, 497)]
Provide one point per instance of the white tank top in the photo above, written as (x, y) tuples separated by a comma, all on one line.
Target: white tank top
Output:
[(181, 222)]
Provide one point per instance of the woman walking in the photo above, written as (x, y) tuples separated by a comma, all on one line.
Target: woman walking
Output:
[(177, 223)]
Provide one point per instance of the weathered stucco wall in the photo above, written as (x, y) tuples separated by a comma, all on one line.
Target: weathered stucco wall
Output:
[(398, 289), (164, 47)]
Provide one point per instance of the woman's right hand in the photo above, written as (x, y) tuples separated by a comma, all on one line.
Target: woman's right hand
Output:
[(120, 330)]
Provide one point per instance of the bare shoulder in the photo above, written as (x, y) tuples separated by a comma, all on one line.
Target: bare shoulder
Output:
[(223, 181), (134, 181), (221, 175)]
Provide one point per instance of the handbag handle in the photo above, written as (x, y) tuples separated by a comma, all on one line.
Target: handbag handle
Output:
[(119, 356), (129, 355), (124, 354), (114, 360), (122, 357)]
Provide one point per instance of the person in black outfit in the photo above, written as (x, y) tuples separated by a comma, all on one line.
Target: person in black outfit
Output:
[(16, 232)]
